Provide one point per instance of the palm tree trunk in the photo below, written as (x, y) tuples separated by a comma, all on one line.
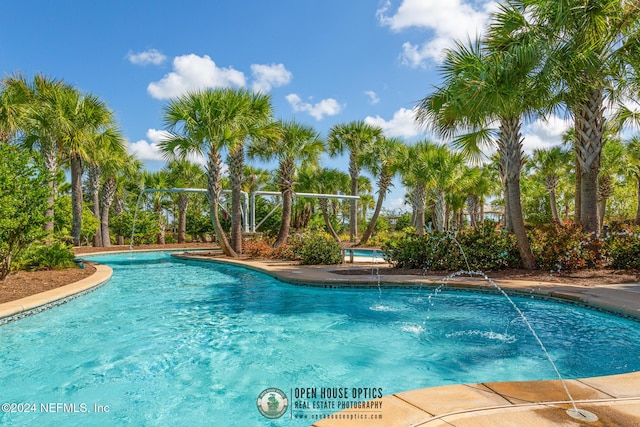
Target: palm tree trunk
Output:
[(578, 192), (324, 208), (287, 197), (161, 224), (108, 194), (420, 193), (637, 221), (236, 176), (383, 185), (51, 165), (76, 199), (354, 171), (511, 139), (119, 210), (213, 192), (93, 175), (472, 208), (589, 123), (183, 204), (440, 208), (554, 206), (605, 190)]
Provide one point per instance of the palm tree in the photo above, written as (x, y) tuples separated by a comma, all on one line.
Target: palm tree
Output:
[(158, 180), (551, 163), (329, 181), (589, 46), (632, 151), (182, 173), (353, 137), (205, 122), (416, 176), (298, 144), (483, 85), (383, 161), (27, 109), (108, 156), (82, 118), (113, 172)]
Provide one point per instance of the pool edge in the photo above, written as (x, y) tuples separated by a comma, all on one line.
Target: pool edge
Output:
[(33, 304)]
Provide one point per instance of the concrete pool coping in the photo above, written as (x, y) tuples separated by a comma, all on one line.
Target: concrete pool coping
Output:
[(614, 399)]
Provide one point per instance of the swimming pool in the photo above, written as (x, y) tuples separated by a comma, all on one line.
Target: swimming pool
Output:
[(168, 340)]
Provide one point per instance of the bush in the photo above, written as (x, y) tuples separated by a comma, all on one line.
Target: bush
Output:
[(256, 248), (320, 249), (483, 248), (564, 246), (58, 256), (624, 249)]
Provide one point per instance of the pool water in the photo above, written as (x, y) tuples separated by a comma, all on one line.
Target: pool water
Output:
[(171, 342)]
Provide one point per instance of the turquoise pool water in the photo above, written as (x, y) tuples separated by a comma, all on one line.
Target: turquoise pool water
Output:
[(169, 342)]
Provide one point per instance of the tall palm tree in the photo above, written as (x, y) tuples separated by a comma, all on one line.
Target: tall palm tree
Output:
[(589, 45), (383, 160), (158, 180), (416, 176), (204, 122), (551, 163), (329, 181), (483, 85), (182, 173), (108, 156), (27, 109), (113, 172), (632, 156), (353, 138), (298, 144), (81, 120)]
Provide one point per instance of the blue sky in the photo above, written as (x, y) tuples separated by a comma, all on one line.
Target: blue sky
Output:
[(323, 61)]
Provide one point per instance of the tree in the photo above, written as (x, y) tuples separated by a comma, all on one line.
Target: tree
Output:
[(551, 163), (329, 181), (23, 199), (80, 120), (353, 137), (588, 45), (383, 161), (484, 85), (184, 174), (27, 112), (204, 122), (108, 155), (298, 145), (632, 149)]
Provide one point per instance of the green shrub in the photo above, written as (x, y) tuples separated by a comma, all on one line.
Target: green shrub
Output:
[(482, 248), (319, 249), (624, 249), (564, 246), (58, 256)]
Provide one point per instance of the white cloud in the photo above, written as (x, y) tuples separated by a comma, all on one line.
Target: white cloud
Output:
[(268, 76), (193, 72), (544, 133), (447, 20), (373, 97), (402, 124), (145, 150), (151, 56), (326, 107)]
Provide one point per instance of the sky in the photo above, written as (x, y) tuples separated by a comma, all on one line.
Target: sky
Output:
[(322, 61)]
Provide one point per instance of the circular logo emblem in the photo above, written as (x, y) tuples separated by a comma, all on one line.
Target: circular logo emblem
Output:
[(272, 403)]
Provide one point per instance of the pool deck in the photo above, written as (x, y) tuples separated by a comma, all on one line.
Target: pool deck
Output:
[(614, 399)]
